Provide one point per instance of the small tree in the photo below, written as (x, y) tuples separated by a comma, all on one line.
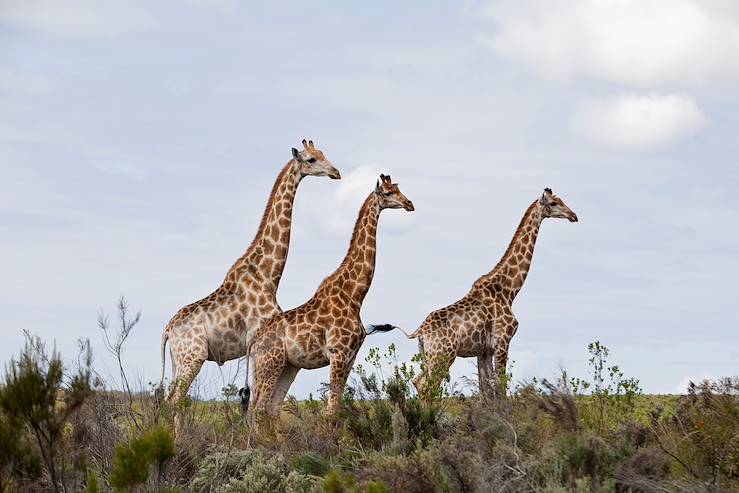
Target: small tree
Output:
[(37, 397), (613, 395)]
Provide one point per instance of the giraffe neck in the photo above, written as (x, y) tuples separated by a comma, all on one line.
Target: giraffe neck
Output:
[(510, 273), (355, 273), (264, 260)]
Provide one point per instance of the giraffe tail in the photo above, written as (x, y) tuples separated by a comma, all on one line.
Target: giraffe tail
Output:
[(372, 329), (165, 337), (159, 392), (245, 391)]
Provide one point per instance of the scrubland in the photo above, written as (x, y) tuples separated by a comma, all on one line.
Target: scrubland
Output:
[(64, 429)]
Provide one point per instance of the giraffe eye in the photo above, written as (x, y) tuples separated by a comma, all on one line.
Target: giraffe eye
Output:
[(312, 160), (387, 194), (552, 204)]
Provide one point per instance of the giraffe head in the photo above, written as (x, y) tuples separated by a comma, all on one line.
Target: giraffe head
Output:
[(553, 206), (390, 196), (311, 162)]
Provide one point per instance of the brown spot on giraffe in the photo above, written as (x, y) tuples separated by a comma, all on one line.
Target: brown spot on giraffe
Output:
[(326, 330), (482, 323), (218, 326)]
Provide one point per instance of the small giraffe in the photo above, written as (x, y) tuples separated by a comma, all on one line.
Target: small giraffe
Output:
[(218, 327), (482, 323), (327, 330)]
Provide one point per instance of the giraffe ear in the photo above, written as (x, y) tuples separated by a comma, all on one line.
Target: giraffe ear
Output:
[(296, 154), (377, 187)]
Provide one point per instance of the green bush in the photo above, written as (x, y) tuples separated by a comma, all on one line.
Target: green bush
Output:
[(36, 399), (345, 483), (310, 464), (409, 474), (133, 460), (249, 471), (702, 436), (372, 410)]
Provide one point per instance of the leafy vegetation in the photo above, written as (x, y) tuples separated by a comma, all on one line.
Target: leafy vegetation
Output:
[(61, 430)]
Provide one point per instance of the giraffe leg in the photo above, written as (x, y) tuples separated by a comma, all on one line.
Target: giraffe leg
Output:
[(434, 370), (501, 358), (283, 385), (186, 372), (486, 373), (269, 364), (340, 369)]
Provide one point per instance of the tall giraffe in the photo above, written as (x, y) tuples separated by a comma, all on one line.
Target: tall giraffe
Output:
[(218, 327), (482, 323), (326, 330)]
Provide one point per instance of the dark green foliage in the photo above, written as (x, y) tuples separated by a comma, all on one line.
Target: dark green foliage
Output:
[(336, 482), (310, 464), (372, 410), (132, 461), (584, 435), (92, 485), (36, 398), (17, 458)]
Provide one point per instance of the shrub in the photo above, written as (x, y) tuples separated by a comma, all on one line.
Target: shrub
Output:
[(409, 474), (246, 471), (612, 396), (36, 398), (132, 461), (310, 464), (373, 408), (338, 483), (702, 436)]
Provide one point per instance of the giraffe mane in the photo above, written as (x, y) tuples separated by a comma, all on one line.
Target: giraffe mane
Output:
[(355, 233), (268, 207), (510, 245)]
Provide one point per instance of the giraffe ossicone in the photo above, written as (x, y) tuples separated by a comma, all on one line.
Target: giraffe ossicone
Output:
[(327, 329), (219, 326)]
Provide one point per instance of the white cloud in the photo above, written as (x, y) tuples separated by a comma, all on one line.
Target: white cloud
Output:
[(643, 43), (338, 212), (637, 122), (80, 19)]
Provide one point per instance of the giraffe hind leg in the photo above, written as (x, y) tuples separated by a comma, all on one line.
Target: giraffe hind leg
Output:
[(486, 373), (186, 373), (283, 385)]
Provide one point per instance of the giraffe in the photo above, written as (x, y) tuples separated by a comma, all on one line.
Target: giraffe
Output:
[(482, 323), (218, 327), (326, 330)]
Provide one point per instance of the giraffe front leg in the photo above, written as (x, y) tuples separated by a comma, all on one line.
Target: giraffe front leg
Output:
[(269, 364), (434, 370), (502, 342)]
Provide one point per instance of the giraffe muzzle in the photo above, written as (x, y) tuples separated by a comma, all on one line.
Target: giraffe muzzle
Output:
[(572, 218), (409, 206)]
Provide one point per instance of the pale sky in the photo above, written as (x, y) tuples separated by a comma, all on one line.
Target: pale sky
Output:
[(139, 141)]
